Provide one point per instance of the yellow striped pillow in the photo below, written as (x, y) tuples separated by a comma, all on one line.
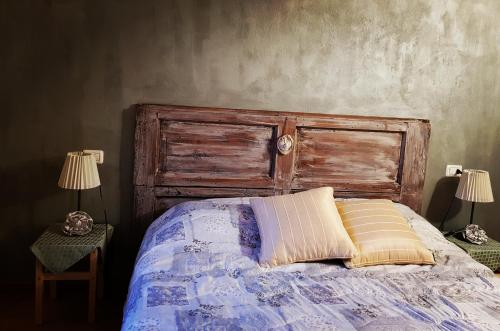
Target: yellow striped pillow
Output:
[(381, 234), (305, 226)]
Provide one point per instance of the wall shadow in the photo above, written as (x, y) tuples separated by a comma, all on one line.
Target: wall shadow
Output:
[(124, 254), (442, 197), (126, 168), (486, 213)]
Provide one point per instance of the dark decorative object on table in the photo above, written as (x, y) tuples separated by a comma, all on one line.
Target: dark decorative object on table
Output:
[(474, 234), (77, 223)]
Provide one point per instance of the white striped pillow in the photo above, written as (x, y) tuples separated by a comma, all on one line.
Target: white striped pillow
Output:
[(305, 226)]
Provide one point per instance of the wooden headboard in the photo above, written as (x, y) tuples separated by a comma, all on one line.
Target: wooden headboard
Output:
[(188, 153)]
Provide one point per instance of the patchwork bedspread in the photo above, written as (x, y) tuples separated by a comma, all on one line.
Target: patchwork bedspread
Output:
[(197, 269)]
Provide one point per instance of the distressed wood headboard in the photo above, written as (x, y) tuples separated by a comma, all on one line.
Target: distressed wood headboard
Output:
[(188, 153)]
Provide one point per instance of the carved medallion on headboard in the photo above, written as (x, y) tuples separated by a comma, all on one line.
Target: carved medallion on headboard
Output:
[(188, 153)]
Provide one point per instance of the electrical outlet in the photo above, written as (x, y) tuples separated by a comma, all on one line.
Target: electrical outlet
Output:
[(451, 170), (98, 154)]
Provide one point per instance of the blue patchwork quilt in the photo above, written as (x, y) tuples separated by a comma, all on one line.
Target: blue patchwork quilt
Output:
[(197, 269)]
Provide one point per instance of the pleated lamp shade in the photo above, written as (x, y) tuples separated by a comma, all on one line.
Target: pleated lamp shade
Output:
[(79, 172), (475, 186)]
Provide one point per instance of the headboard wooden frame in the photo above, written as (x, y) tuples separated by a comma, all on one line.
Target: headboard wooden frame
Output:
[(187, 153)]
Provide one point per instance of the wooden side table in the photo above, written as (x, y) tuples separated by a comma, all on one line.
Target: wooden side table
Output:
[(90, 276), (55, 253), (487, 253)]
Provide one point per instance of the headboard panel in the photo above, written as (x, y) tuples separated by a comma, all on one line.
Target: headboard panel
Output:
[(188, 153)]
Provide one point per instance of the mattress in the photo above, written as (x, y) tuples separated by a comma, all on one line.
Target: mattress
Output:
[(197, 269)]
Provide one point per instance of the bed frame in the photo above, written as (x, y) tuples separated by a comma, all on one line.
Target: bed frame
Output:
[(189, 153)]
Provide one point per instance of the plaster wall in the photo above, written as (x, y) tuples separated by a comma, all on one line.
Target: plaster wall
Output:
[(71, 69)]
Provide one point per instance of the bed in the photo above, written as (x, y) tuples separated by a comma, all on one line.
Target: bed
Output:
[(197, 267)]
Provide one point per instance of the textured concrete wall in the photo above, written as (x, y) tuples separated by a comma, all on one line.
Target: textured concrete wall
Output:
[(71, 69)]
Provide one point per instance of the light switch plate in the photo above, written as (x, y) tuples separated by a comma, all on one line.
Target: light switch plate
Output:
[(98, 154), (451, 170)]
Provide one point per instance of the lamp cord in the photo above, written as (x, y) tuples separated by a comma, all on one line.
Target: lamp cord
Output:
[(105, 215), (106, 230), (441, 226)]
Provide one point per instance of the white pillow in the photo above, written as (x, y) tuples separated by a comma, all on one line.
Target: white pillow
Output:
[(305, 226)]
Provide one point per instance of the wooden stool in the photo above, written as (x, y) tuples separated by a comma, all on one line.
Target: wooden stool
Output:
[(90, 275)]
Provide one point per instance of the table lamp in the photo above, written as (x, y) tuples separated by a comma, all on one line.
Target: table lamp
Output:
[(80, 173), (474, 186)]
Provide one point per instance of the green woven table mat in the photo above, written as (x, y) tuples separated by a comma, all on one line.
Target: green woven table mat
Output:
[(57, 252), (487, 253)]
